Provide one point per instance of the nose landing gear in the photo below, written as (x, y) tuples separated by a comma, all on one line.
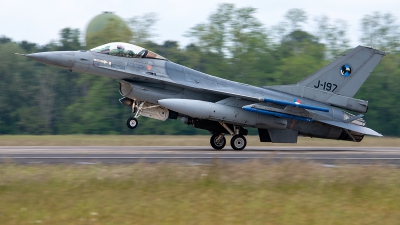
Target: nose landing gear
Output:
[(132, 123), (146, 109)]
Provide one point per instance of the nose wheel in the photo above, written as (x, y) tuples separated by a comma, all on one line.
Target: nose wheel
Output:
[(132, 123), (238, 142), (218, 141)]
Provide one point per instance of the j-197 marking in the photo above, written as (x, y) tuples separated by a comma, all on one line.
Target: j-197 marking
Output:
[(326, 86)]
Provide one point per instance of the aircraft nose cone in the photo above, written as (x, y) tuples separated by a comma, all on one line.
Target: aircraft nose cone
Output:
[(59, 59)]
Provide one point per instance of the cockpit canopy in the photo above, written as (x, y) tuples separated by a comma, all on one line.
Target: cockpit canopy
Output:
[(126, 50)]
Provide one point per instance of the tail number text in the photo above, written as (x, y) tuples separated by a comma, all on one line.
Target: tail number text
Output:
[(326, 86)]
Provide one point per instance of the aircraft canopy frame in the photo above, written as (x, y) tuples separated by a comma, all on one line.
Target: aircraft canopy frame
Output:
[(126, 50)]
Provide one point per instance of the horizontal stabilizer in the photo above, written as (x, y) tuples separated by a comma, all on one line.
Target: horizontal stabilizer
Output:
[(295, 104), (356, 128)]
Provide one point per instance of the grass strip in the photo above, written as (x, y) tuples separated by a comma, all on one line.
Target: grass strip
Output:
[(258, 192)]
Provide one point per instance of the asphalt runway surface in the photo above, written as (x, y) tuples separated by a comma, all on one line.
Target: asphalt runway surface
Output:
[(194, 154)]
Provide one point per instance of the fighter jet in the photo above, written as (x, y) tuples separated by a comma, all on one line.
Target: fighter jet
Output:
[(160, 89)]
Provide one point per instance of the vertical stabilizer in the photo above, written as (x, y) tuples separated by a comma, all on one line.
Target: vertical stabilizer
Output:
[(345, 75)]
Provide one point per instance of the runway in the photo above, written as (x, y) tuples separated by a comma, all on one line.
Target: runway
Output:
[(194, 154)]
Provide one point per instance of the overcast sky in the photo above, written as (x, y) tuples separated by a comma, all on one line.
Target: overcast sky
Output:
[(40, 21)]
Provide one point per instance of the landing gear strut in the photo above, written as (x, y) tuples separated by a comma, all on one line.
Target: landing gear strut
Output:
[(146, 109), (132, 122)]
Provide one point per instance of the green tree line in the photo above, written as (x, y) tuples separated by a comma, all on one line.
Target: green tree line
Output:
[(232, 44)]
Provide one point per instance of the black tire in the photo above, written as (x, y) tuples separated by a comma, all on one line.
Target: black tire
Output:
[(132, 123), (217, 145), (238, 142)]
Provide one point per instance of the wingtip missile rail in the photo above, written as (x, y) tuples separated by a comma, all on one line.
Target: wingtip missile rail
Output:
[(293, 104)]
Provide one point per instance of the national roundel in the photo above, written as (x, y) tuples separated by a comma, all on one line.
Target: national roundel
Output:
[(345, 70)]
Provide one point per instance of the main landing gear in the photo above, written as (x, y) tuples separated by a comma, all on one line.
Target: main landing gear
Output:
[(238, 141), (218, 141)]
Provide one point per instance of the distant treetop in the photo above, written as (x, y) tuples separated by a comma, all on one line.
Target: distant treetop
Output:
[(106, 21)]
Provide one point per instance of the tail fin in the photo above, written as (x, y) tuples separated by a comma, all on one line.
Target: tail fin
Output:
[(345, 75)]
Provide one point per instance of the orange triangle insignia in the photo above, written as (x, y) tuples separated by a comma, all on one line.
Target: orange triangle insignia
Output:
[(149, 67)]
